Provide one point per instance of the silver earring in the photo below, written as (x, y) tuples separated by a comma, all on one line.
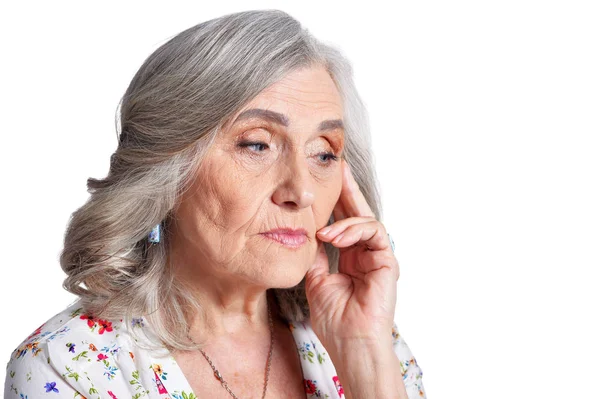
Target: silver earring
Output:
[(154, 235), (391, 242)]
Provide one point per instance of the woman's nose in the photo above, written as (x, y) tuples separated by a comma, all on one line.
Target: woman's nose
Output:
[(296, 187)]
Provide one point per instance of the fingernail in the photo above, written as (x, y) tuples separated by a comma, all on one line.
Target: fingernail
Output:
[(324, 231)]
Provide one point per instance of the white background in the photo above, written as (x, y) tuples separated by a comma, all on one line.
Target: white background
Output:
[(486, 126)]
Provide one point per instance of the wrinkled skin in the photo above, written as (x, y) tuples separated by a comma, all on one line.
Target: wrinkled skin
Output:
[(240, 192)]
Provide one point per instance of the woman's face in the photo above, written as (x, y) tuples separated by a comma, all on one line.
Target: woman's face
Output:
[(270, 167)]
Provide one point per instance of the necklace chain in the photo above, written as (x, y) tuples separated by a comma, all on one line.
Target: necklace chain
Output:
[(219, 377)]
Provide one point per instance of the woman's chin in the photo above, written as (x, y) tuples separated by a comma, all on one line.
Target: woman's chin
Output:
[(285, 280)]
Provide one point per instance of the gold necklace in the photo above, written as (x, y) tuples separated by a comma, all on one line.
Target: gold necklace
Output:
[(219, 377)]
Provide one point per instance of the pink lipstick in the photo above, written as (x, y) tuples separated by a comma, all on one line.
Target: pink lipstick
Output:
[(292, 238)]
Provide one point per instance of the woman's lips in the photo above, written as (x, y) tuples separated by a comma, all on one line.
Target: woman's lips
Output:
[(289, 240)]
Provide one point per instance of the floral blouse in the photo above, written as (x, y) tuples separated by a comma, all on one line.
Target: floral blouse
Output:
[(75, 355)]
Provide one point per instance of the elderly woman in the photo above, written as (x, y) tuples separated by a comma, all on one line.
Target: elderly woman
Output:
[(235, 247)]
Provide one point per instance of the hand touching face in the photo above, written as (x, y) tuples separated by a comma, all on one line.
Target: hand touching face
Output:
[(356, 305)]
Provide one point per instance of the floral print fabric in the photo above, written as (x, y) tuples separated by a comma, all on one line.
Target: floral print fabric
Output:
[(74, 355)]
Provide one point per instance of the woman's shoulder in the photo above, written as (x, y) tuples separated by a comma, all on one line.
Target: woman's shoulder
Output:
[(71, 353), (35, 345), (63, 329)]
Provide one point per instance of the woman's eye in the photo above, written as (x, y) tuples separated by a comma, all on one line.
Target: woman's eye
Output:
[(253, 144), (328, 157)]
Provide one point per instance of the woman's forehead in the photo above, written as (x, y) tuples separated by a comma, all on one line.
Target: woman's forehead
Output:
[(305, 96)]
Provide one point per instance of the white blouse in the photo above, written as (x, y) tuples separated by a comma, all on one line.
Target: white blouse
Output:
[(76, 355)]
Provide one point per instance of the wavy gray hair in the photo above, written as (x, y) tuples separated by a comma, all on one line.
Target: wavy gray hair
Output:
[(170, 114)]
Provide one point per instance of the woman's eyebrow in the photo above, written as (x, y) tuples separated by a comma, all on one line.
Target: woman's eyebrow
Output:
[(281, 119)]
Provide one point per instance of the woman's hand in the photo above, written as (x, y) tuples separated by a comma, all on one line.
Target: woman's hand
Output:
[(356, 305)]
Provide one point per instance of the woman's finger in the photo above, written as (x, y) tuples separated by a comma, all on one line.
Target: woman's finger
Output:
[(371, 234), (352, 198), (340, 225), (319, 268)]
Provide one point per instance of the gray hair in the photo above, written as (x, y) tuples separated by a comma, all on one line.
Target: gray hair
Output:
[(170, 114)]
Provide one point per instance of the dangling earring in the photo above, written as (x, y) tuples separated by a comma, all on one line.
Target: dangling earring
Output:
[(154, 235)]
